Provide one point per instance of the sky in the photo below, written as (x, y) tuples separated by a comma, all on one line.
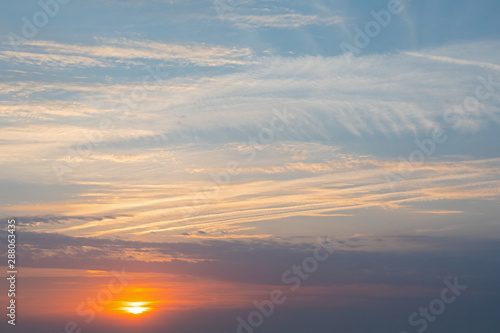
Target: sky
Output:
[(251, 165)]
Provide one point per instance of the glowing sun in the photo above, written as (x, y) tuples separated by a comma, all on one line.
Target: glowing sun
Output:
[(136, 307)]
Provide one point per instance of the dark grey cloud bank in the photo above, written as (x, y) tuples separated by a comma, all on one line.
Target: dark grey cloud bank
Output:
[(264, 261)]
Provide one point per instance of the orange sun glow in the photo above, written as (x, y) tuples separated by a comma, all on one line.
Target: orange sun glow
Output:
[(136, 307)]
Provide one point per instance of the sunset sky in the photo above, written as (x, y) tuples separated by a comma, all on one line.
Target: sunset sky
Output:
[(194, 151)]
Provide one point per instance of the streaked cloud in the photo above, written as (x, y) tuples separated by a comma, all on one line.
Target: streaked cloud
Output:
[(114, 52), (288, 21)]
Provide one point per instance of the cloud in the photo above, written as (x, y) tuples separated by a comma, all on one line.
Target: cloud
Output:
[(342, 187), (50, 60), (264, 261), (440, 212), (455, 61), (288, 21), (113, 52), (155, 165)]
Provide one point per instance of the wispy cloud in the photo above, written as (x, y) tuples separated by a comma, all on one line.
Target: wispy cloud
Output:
[(189, 127), (288, 21), (113, 52), (455, 61)]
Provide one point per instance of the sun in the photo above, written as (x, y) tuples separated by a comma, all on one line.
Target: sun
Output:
[(136, 307)]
